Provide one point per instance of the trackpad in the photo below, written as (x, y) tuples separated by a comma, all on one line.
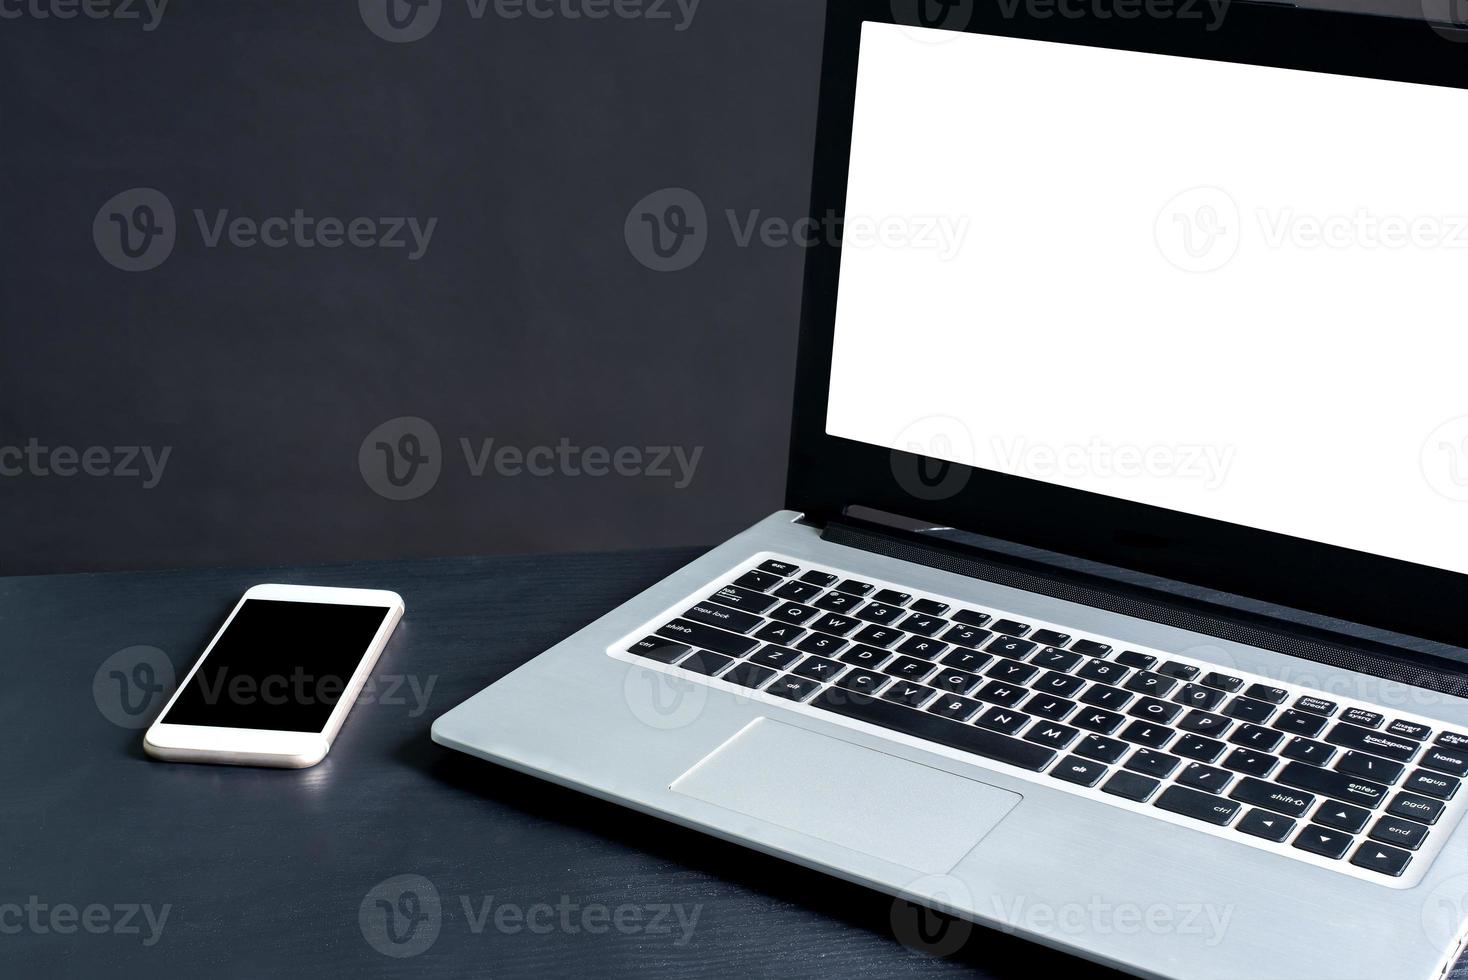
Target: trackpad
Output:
[(900, 811)]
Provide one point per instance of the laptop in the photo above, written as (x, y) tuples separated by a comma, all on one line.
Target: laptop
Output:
[(1121, 596)]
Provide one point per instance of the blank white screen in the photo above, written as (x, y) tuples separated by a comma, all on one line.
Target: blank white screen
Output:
[(1026, 300)]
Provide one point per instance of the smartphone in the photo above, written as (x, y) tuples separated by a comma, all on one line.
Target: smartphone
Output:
[(275, 684)]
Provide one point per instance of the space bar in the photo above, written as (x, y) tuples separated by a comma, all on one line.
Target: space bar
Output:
[(920, 724)]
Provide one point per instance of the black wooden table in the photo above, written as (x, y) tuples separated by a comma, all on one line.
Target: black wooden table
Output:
[(117, 865)]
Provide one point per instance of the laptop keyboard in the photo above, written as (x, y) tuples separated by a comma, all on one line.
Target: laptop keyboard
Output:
[(1350, 786)]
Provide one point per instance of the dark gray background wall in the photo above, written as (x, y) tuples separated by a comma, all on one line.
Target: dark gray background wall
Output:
[(536, 313)]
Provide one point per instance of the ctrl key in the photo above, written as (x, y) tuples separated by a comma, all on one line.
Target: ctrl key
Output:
[(1382, 859), (1199, 806), (659, 649)]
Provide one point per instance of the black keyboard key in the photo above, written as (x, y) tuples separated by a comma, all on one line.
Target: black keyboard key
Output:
[(1131, 786), (747, 600), (1011, 671), (1154, 710), (817, 668), (908, 693), (1342, 816), (880, 612), (1414, 807), (1009, 646), (971, 617), (712, 614), (934, 728), (822, 579), (1158, 764), (1051, 638), (1172, 668), (921, 646), (1300, 723), (792, 687), (1048, 706), (704, 662), (1083, 772), (1197, 696), (1304, 750), (962, 658), (956, 681), (1096, 720), (923, 625), (1091, 648), (1316, 706), (966, 636), (1403, 833), (1103, 672), (835, 624), (1052, 658), (1408, 729), (1336, 785), (1002, 720), (1451, 740), (929, 607), (699, 635), (1222, 682), (1323, 841), (1205, 778), (1365, 740), (1256, 792), (997, 692), (1203, 723), (1200, 806), (1262, 739), (822, 643), (854, 587), (1370, 766), (758, 580), (797, 591), (1250, 763), (878, 636), (837, 602), (1135, 660), (909, 668), (1432, 784), (776, 567), (1060, 685), (659, 649), (865, 656), (783, 634), (1247, 709), (863, 680), (746, 674), (1454, 762), (957, 708), (1102, 749), (1263, 692), (1362, 717), (1148, 734), (776, 657), (794, 612), (1110, 698), (1051, 734), (1380, 858), (1199, 747), (1270, 826), (892, 597), (1010, 626), (1154, 685)]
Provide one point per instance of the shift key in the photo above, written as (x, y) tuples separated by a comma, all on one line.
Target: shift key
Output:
[(696, 634)]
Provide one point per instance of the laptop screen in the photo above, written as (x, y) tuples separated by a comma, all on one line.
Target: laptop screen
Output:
[(1233, 291)]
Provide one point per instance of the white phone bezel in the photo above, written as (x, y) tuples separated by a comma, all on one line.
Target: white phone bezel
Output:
[(268, 747)]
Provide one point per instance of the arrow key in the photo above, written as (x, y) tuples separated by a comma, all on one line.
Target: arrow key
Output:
[(1270, 826), (1342, 816), (1323, 841), (1386, 860)]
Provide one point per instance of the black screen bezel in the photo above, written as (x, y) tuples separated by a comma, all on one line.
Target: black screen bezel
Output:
[(828, 474)]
